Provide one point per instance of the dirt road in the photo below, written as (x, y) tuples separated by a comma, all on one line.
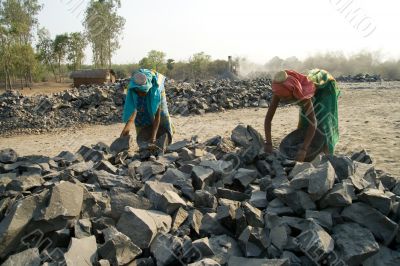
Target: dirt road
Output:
[(369, 119)]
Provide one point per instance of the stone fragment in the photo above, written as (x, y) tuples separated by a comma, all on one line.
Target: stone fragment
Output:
[(8, 156), (201, 177), (106, 166), (224, 247), (323, 218), (253, 241), (254, 216), (81, 252), (298, 200), (82, 228), (339, 196), (245, 176), (241, 261), (259, 199), (205, 200), (202, 246), (385, 257), (29, 257), (377, 199), (122, 144), (231, 194), (179, 218), (205, 262), (121, 197)]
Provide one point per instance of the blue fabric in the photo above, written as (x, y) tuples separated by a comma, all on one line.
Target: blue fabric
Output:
[(153, 96)]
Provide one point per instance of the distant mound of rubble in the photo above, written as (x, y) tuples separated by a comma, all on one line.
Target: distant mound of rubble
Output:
[(104, 104), (360, 78), (221, 202)]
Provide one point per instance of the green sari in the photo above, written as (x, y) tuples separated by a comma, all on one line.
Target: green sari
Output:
[(325, 103)]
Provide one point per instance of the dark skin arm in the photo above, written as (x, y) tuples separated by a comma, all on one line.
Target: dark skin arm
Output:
[(156, 125), (268, 121), (127, 128), (308, 108)]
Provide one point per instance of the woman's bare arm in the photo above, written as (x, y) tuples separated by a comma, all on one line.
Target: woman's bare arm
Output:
[(312, 123), (268, 122), (156, 125), (127, 128)]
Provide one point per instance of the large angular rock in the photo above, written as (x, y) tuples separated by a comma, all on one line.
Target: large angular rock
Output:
[(202, 247), (254, 216), (355, 243), (205, 200), (169, 202), (211, 225), (224, 247), (29, 257), (381, 226), (82, 228), (298, 200), (122, 144), (120, 198), (106, 166), (65, 201), (231, 194), (385, 257), (108, 180), (259, 199), (377, 199), (8, 156), (279, 236), (179, 218), (201, 177), (154, 190), (148, 169), (339, 196), (149, 222), (118, 248), (240, 261), (343, 165), (81, 252), (245, 176), (323, 218), (253, 241), (26, 182), (316, 240), (165, 248)]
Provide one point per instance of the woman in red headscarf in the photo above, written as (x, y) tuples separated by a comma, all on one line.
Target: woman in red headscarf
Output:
[(317, 95)]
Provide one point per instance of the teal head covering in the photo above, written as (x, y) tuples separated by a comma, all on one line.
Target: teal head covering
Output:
[(149, 82)]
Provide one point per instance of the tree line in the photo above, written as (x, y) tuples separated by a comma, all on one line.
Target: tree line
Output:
[(22, 62)]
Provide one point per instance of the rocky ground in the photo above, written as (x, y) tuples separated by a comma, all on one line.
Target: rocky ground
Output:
[(218, 202), (104, 104)]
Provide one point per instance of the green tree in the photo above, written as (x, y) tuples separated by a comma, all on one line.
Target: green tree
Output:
[(103, 29), (199, 63), (155, 60), (45, 50), (76, 50), (18, 18), (60, 51)]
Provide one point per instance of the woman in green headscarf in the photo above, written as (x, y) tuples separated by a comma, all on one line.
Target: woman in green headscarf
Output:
[(146, 106), (317, 94)]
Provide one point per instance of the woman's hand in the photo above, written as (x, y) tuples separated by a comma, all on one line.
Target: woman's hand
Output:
[(125, 132), (268, 148), (301, 155)]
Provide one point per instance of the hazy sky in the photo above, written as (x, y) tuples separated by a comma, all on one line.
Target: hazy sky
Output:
[(256, 29)]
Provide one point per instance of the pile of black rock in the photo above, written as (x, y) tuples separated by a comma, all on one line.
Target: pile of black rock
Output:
[(104, 104), (360, 78), (218, 202)]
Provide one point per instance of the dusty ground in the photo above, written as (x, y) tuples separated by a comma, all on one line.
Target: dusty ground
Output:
[(369, 119), (42, 88)]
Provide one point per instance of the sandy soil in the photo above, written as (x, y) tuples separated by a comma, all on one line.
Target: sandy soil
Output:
[(42, 88), (369, 119)]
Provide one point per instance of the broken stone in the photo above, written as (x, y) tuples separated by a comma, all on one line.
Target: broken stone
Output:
[(376, 199), (177, 146), (204, 199), (323, 218), (149, 169), (253, 241), (108, 180), (106, 166), (169, 202), (339, 196), (149, 222), (245, 176), (297, 200), (8, 156), (343, 165), (82, 228), (81, 252), (354, 243), (385, 257), (253, 215), (66, 201), (27, 257), (121, 144), (381, 226), (201, 177), (231, 194), (165, 248), (179, 218), (118, 248), (240, 261), (316, 239), (202, 247), (89, 154), (25, 182), (259, 199), (224, 247), (279, 236), (120, 198)]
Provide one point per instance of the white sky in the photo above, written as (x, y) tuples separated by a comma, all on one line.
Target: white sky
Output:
[(256, 29)]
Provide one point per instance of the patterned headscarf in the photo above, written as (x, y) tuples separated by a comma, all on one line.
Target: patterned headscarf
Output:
[(290, 83)]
